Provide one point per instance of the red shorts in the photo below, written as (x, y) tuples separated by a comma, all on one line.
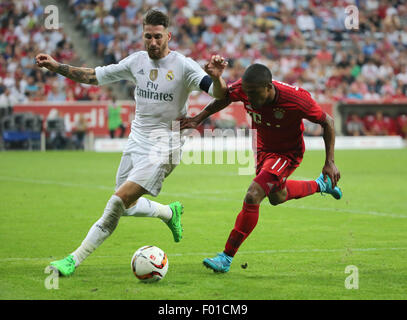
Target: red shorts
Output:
[(273, 169)]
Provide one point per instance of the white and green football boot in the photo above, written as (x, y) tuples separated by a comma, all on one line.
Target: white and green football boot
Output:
[(175, 222), (65, 267)]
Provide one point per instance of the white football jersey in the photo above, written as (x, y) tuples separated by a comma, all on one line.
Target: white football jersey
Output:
[(162, 89)]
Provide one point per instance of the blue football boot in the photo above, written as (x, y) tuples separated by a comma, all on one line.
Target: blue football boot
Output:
[(326, 187), (220, 263)]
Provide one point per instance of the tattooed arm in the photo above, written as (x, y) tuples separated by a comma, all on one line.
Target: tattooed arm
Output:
[(83, 75), (78, 74)]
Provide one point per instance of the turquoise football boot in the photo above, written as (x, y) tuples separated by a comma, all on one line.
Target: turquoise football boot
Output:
[(220, 263), (326, 187)]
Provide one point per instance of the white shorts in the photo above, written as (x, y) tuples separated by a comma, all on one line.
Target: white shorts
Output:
[(139, 168)]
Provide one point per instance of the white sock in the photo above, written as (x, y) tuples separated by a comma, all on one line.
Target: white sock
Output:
[(102, 229), (148, 208)]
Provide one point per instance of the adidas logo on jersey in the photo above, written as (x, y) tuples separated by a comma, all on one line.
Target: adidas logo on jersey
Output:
[(141, 71)]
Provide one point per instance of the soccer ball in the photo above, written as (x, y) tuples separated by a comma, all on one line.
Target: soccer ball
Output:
[(149, 264)]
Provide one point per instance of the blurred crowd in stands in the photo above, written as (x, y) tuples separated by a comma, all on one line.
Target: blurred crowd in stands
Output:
[(376, 124), (304, 42), (22, 36)]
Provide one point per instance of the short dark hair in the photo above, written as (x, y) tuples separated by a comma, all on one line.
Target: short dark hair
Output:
[(257, 73), (156, 18)]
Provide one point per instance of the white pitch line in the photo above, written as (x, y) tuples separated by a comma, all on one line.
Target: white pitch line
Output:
[(276, 251), (90, 186), (373, 213), (57, 183), (212, 196)]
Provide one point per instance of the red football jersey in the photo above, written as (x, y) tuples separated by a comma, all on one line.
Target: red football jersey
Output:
[(279, 125)]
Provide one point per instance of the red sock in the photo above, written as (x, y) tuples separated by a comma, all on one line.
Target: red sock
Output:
[(244, 225), (300, 189)]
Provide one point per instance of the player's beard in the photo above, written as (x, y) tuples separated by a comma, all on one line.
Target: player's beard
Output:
[(156, 53)]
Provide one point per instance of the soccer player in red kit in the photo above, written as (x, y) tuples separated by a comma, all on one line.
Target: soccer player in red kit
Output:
[(277, 110)]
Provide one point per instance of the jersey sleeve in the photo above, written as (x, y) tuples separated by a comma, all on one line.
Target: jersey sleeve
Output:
[(195, 78), (235, 91), (311, 109), (115, 72)]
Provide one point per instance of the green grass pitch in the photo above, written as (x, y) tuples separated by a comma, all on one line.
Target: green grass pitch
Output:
[(299, 250)]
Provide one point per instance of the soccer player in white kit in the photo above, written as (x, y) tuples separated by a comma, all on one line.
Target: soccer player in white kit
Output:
[(164, 79)]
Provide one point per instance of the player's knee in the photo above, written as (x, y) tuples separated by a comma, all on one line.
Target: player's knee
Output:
[(129, 192), (274, 201), (277, 197), (254, 195), (250, 198), (126, 198)]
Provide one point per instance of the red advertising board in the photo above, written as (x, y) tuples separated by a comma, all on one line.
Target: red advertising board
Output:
[(96, 113)]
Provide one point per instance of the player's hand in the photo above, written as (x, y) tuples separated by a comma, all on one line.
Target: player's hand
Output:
[(215, 66), (188, 123), (332, 172), (46, 61)]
